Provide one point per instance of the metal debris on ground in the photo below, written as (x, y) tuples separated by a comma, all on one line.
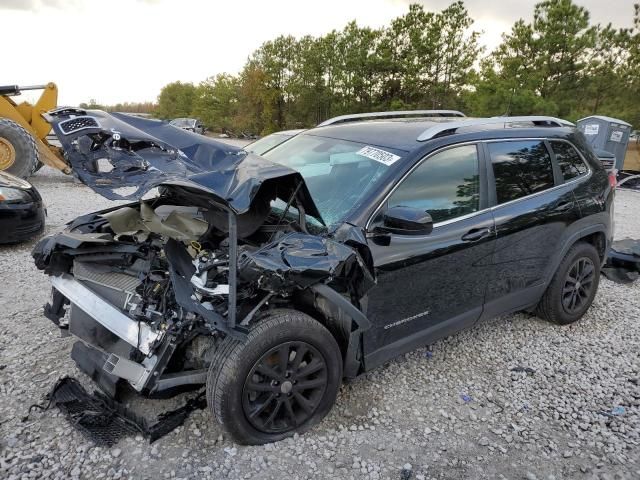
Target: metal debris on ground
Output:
[(105, 421), (527, 370), (629, 179), (615, 412), (406, 472), (623, 261), (618, 411)]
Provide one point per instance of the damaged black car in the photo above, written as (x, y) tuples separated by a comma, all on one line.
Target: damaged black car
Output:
[(269, 280)]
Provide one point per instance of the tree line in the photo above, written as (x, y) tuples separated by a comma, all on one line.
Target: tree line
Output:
[(128, 107), (559, 63)]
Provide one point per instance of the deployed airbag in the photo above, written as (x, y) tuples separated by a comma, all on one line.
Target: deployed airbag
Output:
[(180, 223)]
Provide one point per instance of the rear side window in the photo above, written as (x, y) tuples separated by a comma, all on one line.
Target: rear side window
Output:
[(446, 185), (520, 168), (571, 165)]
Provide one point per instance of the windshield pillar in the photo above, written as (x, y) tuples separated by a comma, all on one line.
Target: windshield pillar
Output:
[(233, 268)]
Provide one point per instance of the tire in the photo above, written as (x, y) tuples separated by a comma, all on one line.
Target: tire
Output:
[(18, 150), (564, 292), (242, 397)]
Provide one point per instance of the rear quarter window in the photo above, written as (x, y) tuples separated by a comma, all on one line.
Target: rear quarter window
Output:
[(520, 168), (569, 160)]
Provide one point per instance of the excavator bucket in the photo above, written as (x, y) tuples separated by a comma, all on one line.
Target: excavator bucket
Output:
[(23, 132)]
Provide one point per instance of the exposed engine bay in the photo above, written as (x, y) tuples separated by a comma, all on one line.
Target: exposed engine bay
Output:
[(149, 288)]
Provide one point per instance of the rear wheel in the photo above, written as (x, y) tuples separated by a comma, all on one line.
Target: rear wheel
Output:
[(573, 287), (18, 150), (282, 379)]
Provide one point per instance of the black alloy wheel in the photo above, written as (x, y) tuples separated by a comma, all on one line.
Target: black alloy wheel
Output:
[(281, 380), (573, 287), (578, 285), (284, 388)]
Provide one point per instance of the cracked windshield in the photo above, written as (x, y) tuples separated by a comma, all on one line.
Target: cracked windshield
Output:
[(338, 173)]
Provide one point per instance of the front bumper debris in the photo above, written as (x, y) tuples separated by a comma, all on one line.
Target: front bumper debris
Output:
[(105, 421), (136, 334), (623, 261)]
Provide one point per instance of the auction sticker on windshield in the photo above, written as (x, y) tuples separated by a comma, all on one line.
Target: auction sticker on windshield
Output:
[(378, 155)]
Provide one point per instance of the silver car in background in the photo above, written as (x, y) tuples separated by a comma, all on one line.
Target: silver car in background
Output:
[(191, 124), (264, 144)]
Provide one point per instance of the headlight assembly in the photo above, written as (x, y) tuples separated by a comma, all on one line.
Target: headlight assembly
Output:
[(14, 195)]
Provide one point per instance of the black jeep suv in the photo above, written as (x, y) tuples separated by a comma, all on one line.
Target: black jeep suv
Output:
[(270, 279)]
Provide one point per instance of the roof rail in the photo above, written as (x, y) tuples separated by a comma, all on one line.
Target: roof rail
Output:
[(538, 121), (397, 114)]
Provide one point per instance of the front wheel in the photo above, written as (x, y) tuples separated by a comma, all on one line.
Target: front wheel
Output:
[(573, 287), (283, 379)]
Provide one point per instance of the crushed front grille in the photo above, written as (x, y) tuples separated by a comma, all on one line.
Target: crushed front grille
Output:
[(78, 123), (91, 415), (105, 421)]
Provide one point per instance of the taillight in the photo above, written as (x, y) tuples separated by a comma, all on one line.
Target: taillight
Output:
[(613, 180)]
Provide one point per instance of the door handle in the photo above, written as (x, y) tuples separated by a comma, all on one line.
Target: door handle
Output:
[(476, 234)]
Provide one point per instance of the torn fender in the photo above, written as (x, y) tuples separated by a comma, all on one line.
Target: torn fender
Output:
[(298, 261)]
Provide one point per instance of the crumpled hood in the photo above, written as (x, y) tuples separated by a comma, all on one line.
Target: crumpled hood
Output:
[(122, 156)]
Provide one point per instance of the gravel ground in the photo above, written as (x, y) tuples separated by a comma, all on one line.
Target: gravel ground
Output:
[(454, 410)]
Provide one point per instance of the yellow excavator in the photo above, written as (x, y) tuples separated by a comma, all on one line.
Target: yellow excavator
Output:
[(23, 132)]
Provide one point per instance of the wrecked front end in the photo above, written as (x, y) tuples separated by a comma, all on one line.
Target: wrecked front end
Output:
[(152, 287)]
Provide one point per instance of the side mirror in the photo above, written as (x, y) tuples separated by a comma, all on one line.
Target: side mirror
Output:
[(407, 221)]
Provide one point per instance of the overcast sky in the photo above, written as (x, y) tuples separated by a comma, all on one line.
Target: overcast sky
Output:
[(126, 50)]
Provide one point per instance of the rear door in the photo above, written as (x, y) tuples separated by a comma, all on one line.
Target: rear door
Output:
[(532, 208), (431, 285)]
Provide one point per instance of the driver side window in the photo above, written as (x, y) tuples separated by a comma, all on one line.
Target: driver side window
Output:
[(445, 185)]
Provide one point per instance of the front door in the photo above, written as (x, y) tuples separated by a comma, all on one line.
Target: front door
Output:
[(431, 285)]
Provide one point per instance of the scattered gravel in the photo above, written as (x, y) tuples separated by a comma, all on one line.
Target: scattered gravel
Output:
[(514, 397)]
